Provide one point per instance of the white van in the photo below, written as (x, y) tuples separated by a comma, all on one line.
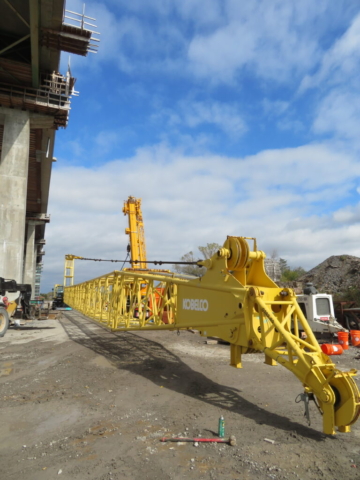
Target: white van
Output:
[(318, 309)]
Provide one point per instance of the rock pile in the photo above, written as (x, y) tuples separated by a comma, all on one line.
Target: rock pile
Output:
[(336, 274)]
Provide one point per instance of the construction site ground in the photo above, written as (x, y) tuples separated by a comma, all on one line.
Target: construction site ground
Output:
[(80, 402)]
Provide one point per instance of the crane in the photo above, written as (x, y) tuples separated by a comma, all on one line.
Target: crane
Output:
[(69, 269), (236, 301), (132, 208), (137, 246)]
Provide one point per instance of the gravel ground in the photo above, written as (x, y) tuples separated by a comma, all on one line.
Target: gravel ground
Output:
[(79, 402)]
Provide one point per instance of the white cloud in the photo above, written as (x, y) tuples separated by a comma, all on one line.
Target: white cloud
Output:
[(274, 107), (336, 79), (291, 124), (76, 148), (193, 114), (106, 140), (341, 63), (190, 201), (285, 116), (215, 39), (339, 114), (348, 215), (199, 12), (130, 42), (276, 40)]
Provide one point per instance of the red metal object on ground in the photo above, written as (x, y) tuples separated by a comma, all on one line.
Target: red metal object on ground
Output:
[(230, 441)]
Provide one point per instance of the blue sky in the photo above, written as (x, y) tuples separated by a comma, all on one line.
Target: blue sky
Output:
[(225, 117)]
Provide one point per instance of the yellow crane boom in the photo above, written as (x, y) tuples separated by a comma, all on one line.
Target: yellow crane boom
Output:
[(236, 301), (69, 269), (132, 208)]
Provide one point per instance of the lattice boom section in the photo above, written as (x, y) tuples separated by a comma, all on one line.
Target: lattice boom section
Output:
[(127, 301)]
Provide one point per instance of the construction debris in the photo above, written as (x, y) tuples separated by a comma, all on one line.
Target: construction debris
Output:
[(336, 274)]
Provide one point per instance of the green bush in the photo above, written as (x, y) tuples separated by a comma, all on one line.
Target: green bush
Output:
[(291, 275), (351, 294)]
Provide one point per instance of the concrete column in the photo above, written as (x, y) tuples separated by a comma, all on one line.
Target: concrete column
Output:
[(30, 258), (34, 278), (13, 189)]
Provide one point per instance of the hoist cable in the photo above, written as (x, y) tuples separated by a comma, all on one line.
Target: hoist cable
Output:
[(155, 262)]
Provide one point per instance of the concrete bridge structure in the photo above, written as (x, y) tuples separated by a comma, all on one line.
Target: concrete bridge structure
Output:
[(34, 103)]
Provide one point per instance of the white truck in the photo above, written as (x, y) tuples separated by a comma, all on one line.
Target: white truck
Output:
[(318, 309)]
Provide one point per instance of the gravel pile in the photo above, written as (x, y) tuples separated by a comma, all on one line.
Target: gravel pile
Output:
[(336, 274)]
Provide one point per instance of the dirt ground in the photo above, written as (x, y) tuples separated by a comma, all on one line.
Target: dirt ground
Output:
[(79, 402)]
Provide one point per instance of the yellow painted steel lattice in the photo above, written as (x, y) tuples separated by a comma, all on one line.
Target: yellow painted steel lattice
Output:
[(69, 269), (132, 208), (236, 301)]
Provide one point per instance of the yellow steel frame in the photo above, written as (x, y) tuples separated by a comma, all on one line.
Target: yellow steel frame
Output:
[(132, 208), (69, 269), (127, 300), (236, 301)]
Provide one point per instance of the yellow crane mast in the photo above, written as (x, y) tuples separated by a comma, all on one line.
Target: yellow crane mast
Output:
[(69, 269), (132, 208), (236, 301)]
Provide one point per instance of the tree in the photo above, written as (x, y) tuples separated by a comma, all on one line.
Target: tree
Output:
[(189, 269), (283, 265), (207, 252), (351, 294), (292, 274), (274, 254)]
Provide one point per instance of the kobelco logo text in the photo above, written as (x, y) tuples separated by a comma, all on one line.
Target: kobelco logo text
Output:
[(195, 304)]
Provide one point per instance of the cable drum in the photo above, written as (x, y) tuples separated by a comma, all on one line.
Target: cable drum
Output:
[(239, 252)]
